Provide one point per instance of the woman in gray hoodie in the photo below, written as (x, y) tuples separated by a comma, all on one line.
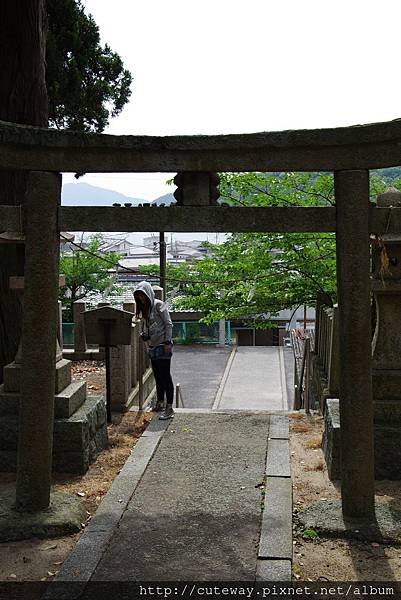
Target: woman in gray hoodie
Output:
[(157, 329)]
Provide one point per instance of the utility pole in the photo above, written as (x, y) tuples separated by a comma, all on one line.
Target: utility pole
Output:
[(162, 250)]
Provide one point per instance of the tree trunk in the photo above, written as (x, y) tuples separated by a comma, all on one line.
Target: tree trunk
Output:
[(23, 99)]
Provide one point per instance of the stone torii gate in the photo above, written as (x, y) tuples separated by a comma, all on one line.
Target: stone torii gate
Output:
[(348, 152)]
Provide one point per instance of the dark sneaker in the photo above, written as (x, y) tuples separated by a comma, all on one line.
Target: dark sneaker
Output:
[(168, 413)]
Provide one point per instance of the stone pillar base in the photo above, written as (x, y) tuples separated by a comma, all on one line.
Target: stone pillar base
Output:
[(77, 440), (386, 440)]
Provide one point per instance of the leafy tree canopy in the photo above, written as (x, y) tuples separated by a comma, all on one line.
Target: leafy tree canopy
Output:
[(87, 83), (86, 272), (254, 274)]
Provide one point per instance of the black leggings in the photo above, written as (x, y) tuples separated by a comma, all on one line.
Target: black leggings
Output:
[(164, 383)]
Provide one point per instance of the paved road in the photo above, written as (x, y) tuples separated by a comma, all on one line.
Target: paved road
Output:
[(199, 369), (256, 380)]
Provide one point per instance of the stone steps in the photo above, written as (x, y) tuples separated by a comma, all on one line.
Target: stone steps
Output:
[(70, 399), (12, 376), (65, 403)]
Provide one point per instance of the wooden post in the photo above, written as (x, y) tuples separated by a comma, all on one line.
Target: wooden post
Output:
[(39, 334), (356, 403)]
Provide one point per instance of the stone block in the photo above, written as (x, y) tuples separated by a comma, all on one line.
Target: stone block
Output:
[(71, 435), (273, 570), (8, 461), (79, 566), (319, 383), (9, 432), (387, 451), (9, 402), (387, 412), (278, 458), (77, 440), (276, 533), (63, 374), (79, 327), (120, 364), (12, 376), (70, 399), (148, 389), (386, 384), (386, 444), (279, 427), (331, 441)]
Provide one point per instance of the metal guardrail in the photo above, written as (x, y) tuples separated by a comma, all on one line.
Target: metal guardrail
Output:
[(178, 396)]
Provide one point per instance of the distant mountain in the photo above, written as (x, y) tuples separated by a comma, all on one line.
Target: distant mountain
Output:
[(389, 174), (83, 194), (167, 199)]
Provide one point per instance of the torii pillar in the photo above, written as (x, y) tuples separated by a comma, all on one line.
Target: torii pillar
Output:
[(39, 333), (356, 401)]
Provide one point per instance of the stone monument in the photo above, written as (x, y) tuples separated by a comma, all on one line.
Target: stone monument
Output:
[(386, 359), (386, 348), (80, 429)]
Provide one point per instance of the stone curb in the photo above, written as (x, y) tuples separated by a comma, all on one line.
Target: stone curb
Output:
[(276, 532), (83, 560), (273, 570), (227, 411), (279, 427), (278, 458), (275, 545), (283, 378), (223, 381)]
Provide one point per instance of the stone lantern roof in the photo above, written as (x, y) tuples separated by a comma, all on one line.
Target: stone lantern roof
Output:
[(391, 197)]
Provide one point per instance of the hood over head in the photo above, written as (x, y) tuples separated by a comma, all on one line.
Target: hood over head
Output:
[(146, 288)]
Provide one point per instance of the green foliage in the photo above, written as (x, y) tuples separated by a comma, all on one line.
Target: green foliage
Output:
[(87, 83), (254, 274), (86, 272), (310, 534)]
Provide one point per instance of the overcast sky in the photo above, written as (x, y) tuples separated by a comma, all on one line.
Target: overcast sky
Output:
[(230, 66)]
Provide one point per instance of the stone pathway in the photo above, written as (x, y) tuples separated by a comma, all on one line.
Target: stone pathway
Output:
[(188, 506), (206, 496)]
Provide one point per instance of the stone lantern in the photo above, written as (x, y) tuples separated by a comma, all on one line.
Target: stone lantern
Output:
[(386, 347)]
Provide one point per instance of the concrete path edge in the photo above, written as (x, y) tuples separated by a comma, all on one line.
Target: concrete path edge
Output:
[(87, 553), (223, 381), (282, 377), (275, 545)]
